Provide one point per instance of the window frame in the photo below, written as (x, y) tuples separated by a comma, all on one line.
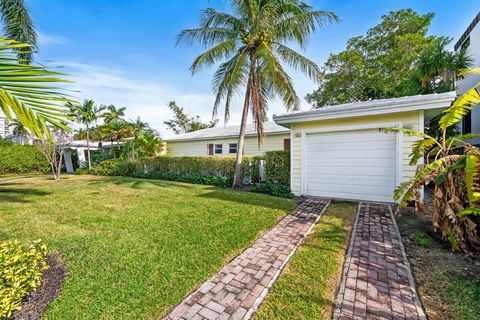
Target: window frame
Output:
[(218, 145), (230, 148)]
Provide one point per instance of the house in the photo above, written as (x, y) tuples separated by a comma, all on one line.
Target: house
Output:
[(339, 151), (470, 39), (6, 128), (223, 141)]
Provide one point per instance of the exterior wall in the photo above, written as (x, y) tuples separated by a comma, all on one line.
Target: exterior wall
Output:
[(200, 147), (411, 120), (471, 80)]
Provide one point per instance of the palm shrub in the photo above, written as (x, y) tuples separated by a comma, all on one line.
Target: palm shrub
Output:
[(453, 166)]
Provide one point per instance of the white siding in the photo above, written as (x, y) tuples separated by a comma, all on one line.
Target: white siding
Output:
[(200, 147)]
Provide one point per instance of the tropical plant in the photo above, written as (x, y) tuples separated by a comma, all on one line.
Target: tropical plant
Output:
[(113, 113), (54, 149), (183, 123), (253, 41), (26, 91), (86, 113), (149, 145), (453, 166), (18, 25)]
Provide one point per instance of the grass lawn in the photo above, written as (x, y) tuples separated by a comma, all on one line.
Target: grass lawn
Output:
[(133, 248), (307, 287)]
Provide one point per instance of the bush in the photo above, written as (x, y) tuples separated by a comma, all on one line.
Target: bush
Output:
[(278, 190), (104, 168), (21, 269), (16, 158), (277, 167)]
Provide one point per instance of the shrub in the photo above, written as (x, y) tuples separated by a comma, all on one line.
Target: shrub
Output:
[(18, 158), (104, 168), (277, 167), (278, 190), (21, 270)]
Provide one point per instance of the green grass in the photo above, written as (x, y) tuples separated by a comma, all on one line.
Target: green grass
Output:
[(133, 248), (306, 288), (422, 239), (463, 295)]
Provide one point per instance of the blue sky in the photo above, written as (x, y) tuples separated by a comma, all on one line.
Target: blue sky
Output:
[(123, 52)]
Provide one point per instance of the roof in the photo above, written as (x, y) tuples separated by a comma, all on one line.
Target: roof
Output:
[(371, 107), (229, 131), (467, 32)]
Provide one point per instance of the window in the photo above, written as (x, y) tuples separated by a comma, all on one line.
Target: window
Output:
[(286, 144), (218, 149), (210, 149), (467, 123), (232, 148)]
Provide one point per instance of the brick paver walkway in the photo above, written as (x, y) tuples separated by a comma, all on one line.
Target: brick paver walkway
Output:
[(239, 288), (377, 282)]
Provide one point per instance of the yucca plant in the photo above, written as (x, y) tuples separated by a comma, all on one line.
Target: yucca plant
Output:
[(453, 166), (26, 91)]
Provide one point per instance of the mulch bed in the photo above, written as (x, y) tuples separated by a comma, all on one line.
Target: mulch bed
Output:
[(36, 304)]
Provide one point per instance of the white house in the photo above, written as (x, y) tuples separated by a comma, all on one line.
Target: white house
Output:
[(339, 151), (223, 141), (470, 39)]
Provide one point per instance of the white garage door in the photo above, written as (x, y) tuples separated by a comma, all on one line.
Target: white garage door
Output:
[(351, 164)]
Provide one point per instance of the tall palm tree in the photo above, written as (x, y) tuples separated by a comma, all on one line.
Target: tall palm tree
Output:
[(253, 41), (19, 130), (113, 113), (18, 25), (86, 113)]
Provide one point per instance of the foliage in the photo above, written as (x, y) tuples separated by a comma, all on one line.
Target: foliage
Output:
[(251, 46), (421, 239), (113, 113), (275, 189), (184, 123), (453, 165), (277, 167), (54, 149), (26, 91), (15, 158), (395, 58), (21, 269), (104, 168)]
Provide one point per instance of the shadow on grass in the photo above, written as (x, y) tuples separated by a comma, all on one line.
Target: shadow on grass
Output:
[(140, 183), (19, 195)]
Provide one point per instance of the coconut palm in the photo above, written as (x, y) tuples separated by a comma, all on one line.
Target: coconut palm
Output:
[(18, 25), (113, 113), (253, 41), (86, 113)]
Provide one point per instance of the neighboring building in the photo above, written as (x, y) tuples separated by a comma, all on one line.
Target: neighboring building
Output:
[(339, 151), (470, 39), (223, 141), (5, 127)]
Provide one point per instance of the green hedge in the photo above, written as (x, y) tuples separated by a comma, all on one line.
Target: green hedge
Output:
[(18, 158), (277, 167)]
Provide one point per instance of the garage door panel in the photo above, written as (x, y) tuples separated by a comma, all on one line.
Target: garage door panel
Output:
[(354, 165)]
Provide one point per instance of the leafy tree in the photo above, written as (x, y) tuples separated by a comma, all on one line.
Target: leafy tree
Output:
[(395, 58), (86, 113), (54, 149), (18, 25), (113, 113), (252, 42), (183, 123)]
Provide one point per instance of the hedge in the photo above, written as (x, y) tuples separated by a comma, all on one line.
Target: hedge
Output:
[(277, 167), (18, 158)]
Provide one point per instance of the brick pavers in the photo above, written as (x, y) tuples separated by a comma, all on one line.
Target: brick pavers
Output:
[(239, 288), (377, 282)]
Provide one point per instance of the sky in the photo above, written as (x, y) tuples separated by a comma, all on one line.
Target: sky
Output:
[(123, 52)]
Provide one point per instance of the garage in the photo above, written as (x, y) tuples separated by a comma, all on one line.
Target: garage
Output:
[(341, 152), (351, 164)]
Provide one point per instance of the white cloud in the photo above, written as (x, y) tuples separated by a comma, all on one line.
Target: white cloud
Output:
[(49, 39)]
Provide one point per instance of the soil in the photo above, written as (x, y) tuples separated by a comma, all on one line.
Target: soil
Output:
[(36, 304), (434, 266)]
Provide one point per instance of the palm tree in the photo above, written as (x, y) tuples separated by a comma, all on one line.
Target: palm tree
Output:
[(18, 25), (253, 41), (86, 114), (113, 113), (19, 130)]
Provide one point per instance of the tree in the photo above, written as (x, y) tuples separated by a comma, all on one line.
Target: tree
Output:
[(18, 25), (113, 113), (395, 58), (54, 149), (149, 145), (86, 114), (183, 123), (453, 166), (253, 41), (26, 91)]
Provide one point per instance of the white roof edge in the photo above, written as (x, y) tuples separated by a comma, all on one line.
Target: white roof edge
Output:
[(287, 131), (373, 107)]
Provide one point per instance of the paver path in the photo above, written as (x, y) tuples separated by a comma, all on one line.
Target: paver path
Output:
[(377, 282), (239, 288)]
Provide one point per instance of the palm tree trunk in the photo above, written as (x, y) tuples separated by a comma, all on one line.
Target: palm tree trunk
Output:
[(88, 150)]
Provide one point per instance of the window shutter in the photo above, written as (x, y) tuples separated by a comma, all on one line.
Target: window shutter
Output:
[(210, 149), (286, 144)]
